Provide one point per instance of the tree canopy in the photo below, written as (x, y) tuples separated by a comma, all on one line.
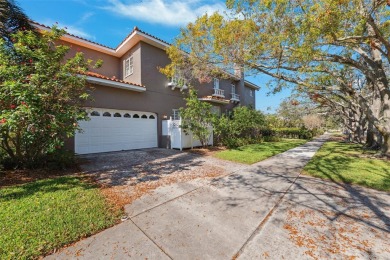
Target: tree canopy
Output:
[(12, 19), (337, 52), (41, 96)]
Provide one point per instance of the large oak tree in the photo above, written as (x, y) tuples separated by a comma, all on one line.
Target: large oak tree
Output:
[(313, 45)]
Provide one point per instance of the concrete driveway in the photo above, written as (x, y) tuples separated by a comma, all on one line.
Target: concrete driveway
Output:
[(263, 211)]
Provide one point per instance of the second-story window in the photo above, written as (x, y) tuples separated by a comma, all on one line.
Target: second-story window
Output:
[(233, 89), (251, 92), (216, 83), (129, 66), (176, 114)]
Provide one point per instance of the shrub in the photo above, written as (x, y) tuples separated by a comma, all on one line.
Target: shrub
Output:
[(277, 133), (271, 139), (41, 94), (239, 128), (197, 117)]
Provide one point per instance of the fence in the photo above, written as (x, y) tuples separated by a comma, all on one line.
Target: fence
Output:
[(178, 138)]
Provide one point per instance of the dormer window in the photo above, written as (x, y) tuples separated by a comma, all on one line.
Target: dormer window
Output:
[(216, 83), (129, 66)]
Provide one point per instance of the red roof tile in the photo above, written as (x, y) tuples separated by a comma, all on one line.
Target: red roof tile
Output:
[(214, 98), (78, 37), (97, 75)]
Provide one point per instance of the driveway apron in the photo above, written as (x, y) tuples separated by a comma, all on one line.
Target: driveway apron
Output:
[(246, 214)]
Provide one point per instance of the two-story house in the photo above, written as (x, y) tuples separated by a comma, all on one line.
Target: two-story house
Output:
[(130, 97)]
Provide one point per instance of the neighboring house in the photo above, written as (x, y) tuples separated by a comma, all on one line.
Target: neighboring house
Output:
[(130, 97)]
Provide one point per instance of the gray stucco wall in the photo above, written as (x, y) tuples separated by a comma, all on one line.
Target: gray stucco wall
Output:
[(158, 98), (136, 76), (111, 65)]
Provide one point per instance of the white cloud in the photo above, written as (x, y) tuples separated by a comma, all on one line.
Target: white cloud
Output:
[(172, 13), (78, 31), (75, 30), (85, 17)]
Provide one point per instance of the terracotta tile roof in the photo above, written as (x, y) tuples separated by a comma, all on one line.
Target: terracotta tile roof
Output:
[(213, 98), (138, 30), (100, 76), (84, 39), (134, 29), (78, 37)]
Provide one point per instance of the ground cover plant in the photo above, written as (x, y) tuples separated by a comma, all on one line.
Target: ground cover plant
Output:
[(37, 217), (253, 153), (349, 163)]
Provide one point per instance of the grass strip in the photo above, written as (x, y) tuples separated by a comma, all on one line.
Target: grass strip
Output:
[(37, 217), (253, 153), (349, 163)]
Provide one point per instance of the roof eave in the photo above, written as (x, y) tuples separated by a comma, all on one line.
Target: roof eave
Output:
[(79, 41), (251, 85), (225, 102), (115, 84), (134, 39)]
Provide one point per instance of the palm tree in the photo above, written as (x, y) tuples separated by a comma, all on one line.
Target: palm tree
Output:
[(12, 19)]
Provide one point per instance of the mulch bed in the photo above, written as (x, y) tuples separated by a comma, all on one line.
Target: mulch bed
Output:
[(206, 151), (17, 177)]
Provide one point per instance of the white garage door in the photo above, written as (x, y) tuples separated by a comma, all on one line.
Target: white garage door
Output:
[(116, 130)]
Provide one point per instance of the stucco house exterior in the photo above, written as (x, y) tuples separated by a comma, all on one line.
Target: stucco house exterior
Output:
[(130, 97)]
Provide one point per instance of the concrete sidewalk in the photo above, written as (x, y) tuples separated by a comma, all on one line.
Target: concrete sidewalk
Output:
[(261, 211)]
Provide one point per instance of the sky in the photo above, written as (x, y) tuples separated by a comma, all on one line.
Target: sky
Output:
[(108, 22)]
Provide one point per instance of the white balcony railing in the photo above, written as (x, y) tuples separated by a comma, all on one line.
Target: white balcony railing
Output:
[(235, 97), (177, 82), (218, 93)]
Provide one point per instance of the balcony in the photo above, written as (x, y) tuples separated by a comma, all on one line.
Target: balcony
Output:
[(218, 93), (177, 82), (235, 98)]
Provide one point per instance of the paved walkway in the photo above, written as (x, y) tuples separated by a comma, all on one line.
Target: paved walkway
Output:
[(266, 210)]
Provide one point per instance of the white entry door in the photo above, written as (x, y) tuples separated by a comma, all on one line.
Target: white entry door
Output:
[(115, 130)]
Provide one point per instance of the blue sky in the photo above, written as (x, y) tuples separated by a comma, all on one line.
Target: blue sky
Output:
[(109, 21)]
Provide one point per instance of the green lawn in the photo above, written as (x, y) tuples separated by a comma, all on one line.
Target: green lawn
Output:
[(344, 162), (257, 152), (37, 217)]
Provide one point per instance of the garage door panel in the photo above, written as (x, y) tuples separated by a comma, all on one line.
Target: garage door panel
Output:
[(104, 134)]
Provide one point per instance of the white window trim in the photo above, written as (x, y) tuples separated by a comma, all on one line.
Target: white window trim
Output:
[(176, 114), (129, 66), (233, 89), (251, 92), (216, 83)]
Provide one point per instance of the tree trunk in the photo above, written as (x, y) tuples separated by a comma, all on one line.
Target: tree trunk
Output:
[(380, 118), (370, 139), (385, 148)]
